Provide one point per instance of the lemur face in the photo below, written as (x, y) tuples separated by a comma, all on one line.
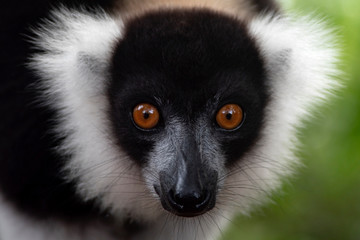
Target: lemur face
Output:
[(182, 109), (154, 119), (187, 101)]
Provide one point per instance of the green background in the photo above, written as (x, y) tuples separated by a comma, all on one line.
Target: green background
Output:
[(322, 202)]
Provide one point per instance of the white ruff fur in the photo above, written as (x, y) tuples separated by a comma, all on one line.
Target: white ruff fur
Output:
[(300, 62), (301, 59)]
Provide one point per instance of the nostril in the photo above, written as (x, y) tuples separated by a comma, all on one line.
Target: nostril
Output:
[(189, 203), (193, 198)]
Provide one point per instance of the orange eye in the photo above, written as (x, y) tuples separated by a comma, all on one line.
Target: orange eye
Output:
[(146, 116), (229, 116)]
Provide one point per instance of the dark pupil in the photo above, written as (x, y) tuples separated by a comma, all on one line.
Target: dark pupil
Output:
[(146, 115), (228, 116)]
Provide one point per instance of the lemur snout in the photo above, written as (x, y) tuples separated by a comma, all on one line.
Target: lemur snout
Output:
[(187, 197), (189, 189)]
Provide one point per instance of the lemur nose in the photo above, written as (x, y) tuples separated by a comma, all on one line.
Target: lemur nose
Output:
[(189, 204)]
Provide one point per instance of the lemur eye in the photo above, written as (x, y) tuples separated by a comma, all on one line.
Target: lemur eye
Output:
[(146, 116), (230, 116)]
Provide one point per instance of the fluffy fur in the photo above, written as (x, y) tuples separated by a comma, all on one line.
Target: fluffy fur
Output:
[(76, 48)]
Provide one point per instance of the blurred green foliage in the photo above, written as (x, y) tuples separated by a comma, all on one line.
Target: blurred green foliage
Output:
[(323, 201)]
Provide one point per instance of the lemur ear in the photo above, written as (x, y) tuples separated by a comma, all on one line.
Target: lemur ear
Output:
[(75, 50), (91, 64), (301, 58), (95, 69), (278, 63)]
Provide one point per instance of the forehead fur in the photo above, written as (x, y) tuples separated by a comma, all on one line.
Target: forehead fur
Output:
[(188, 66), (193, 51)]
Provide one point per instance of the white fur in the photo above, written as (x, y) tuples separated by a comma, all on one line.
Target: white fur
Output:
[(75, 88), (301, 60), (77, 92)]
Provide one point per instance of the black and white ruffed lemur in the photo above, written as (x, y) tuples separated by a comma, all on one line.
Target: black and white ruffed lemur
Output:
[(150, 119)]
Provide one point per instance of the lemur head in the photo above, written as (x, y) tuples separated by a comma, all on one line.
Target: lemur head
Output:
[(187, 110), (187, 101)]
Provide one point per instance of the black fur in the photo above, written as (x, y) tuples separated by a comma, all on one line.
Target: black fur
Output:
[(188, 66), (29, 168)]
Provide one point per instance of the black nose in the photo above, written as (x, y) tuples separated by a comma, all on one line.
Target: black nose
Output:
[(190, 204), (187, 198)]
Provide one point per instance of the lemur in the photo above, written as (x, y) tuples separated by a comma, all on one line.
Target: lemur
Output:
[(151, 119)]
